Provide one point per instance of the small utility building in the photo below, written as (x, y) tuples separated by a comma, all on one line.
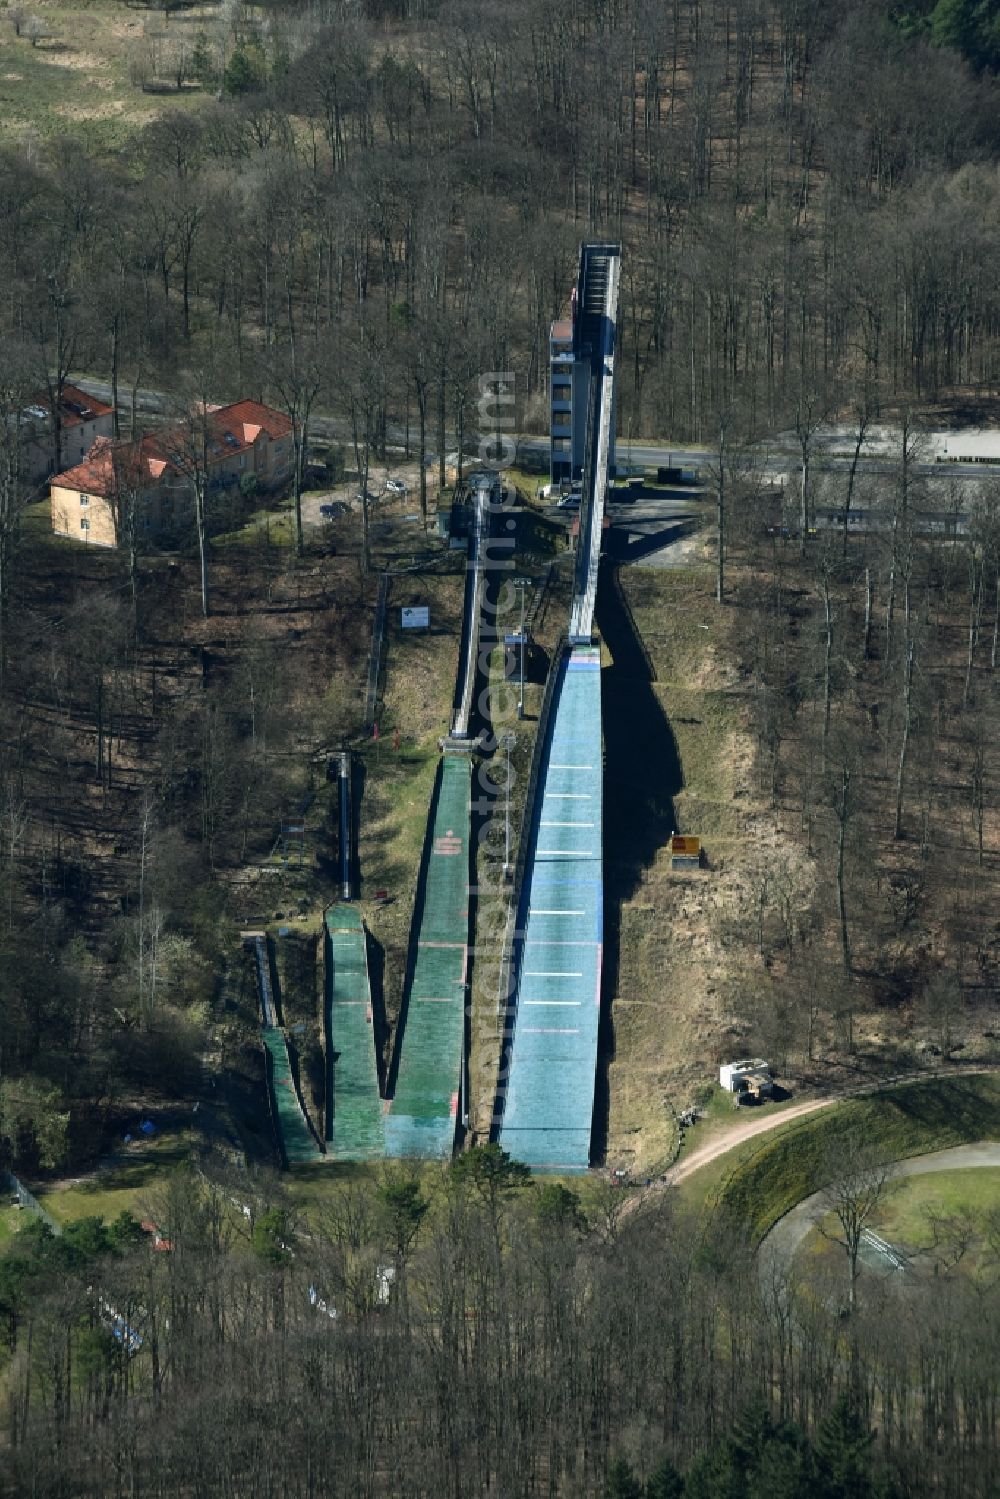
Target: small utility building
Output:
[(751, 1077)]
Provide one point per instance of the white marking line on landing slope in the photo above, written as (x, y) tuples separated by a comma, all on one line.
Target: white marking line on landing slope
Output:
[(571, 767), (547, 822), (538, 911), (550, 973)]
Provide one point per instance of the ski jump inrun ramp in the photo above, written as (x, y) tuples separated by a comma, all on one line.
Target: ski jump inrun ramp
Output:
[(545, 1098)]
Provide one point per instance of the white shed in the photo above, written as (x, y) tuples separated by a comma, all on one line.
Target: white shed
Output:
[(734, 1075)]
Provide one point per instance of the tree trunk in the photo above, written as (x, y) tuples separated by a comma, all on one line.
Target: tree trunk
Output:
[(422, 447), (114, 377), (974, 610), (441, 429), (850, 482), (827, 661), (298, 464), (904, 743), (720, 577), (201, 524), (843, 813)]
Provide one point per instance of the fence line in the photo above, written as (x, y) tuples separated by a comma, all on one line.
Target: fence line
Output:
[(28, 1200)]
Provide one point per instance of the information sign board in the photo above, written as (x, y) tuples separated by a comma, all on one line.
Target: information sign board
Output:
[(685, 844)]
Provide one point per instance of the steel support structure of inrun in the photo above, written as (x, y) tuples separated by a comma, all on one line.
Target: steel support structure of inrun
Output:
[(545, 1101), (346, 823), (484, 496)]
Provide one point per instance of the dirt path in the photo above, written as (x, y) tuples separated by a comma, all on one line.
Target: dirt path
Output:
[(703, 1155)]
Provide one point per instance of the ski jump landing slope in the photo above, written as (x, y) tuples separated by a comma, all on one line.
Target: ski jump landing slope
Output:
[(354, 1108), (552, 1049), (424, 1110)]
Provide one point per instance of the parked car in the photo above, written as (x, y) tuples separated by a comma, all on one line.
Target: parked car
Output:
[(395, 486), (571, 501), (335, 508)]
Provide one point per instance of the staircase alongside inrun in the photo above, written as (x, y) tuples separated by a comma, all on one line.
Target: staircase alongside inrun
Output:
[(599, 275), (595, 291)]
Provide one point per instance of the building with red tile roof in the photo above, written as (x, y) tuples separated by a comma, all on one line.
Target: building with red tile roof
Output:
[(243, 441), (82, 420)]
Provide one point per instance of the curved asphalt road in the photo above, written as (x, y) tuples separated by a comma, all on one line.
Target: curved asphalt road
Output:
[(780, 1245)]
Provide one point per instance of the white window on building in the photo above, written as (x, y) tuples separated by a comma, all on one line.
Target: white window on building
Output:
[(84, 523), (85, 499)]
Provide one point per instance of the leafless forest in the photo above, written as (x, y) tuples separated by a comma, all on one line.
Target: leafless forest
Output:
[(524, 1349), (355, 210)]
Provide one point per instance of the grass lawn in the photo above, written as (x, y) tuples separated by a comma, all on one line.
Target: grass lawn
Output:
[(765, 1178), (10, 1221), (273, 525), (315, 1187), (76, 80), (528, 482), (718, 1118), (903, 1212), (904, 1218), (419, 678), (126, 1186)]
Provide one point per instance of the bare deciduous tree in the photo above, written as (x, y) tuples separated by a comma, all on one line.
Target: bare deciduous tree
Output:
[(852, 1173)]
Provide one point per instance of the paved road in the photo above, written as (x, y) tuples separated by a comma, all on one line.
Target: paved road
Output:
[(780, 1245), (779, 455)]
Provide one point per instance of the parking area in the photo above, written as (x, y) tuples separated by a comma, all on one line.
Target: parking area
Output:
[(393, 489)]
